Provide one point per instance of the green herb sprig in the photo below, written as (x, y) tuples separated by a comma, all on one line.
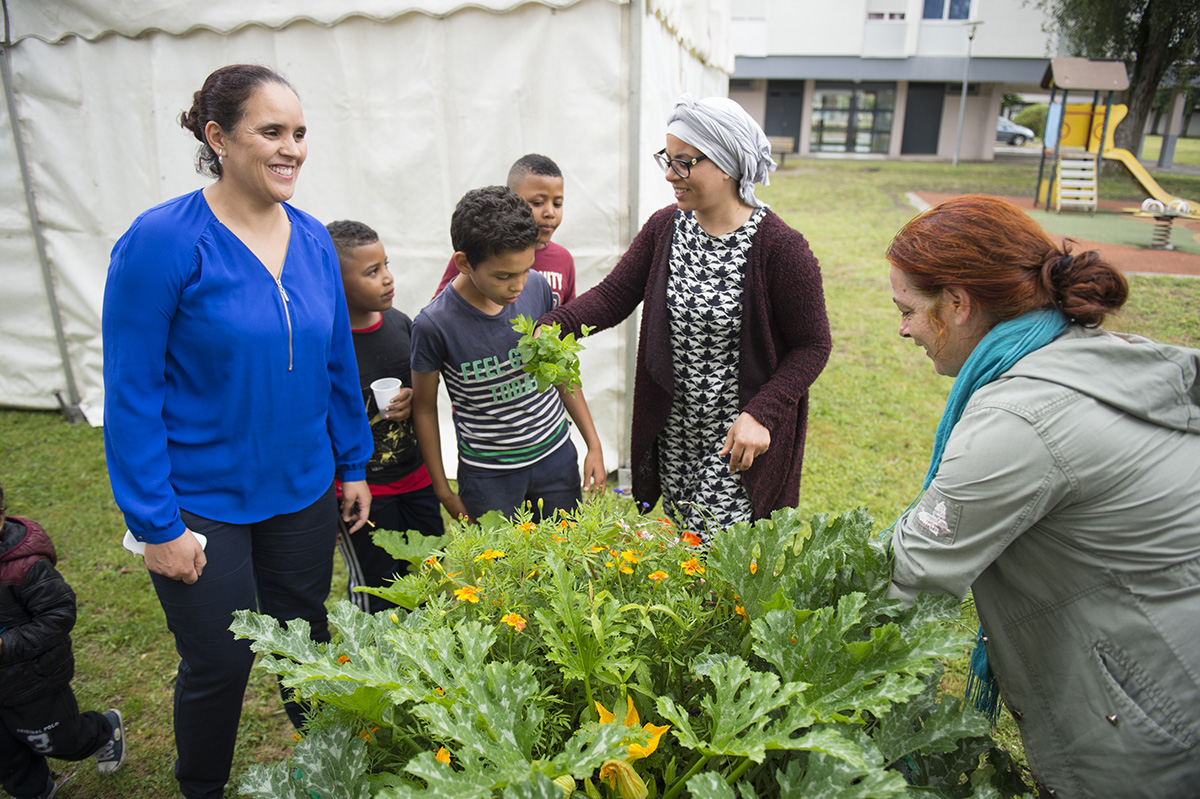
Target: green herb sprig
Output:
[(552, 358)]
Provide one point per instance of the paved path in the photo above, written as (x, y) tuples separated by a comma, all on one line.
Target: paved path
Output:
[(1133, 260)]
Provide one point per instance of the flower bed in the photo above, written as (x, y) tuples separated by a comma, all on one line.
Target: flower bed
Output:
[(602, 654)]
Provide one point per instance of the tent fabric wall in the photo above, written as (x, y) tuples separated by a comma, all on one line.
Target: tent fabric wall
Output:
[(29, 357), (404, 116), (87, 19)]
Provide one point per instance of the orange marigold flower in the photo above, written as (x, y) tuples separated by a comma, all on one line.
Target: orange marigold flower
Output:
[(630, 556), (754, 567), (626, 569), (658, 575), (468, 593), (513, 620), (442, 756), (527, 526), (565, 523), (596, 549), (366, 734), (490, 555), (739, 610), (608, 564), (343, 659), (691, 539), (431, 561), (692, 567), (560, 538), (297, 736), (439, 690)]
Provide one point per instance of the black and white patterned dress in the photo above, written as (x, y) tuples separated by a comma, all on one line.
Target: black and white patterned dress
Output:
[(704, 299)]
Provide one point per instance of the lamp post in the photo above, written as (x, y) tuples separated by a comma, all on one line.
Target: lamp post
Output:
[(971, 24)]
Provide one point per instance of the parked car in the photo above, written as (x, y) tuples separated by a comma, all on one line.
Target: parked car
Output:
[(1010, 132)]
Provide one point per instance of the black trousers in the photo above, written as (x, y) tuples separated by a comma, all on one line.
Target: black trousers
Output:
[(371, 565), (49, 726), (281, 567)]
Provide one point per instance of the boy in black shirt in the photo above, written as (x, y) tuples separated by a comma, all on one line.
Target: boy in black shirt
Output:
[(402, 497)]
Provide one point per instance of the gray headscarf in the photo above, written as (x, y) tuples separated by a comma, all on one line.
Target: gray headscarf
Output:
[(722, 130)]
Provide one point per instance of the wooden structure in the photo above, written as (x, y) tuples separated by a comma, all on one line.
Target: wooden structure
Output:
[(1077, 74)]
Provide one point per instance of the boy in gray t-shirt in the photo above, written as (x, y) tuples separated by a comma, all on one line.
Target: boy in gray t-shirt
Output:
[(513, 442)]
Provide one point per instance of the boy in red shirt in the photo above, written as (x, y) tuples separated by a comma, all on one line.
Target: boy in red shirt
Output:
[(539, 181)]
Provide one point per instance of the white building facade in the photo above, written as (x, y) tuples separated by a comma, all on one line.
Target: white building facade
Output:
[(886, 77)]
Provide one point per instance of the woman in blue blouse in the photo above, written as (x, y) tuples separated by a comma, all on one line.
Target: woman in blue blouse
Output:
[(231, 399)]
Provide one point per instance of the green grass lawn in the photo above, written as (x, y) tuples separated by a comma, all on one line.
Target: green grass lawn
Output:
[(874, 411), (1187, 151)]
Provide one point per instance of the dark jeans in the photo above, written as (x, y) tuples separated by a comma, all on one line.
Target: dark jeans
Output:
[(368, 564), (554, 480), (281, 567), (49, 726)]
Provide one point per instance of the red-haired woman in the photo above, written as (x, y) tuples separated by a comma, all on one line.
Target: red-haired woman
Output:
[(1063, 492)]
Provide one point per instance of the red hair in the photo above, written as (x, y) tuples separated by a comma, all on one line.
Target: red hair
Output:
[(1004, 261)]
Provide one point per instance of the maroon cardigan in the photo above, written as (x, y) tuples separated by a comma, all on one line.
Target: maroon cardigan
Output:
[(784, 346)]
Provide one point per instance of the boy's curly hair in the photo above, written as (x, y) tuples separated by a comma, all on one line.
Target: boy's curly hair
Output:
[(491, 221)]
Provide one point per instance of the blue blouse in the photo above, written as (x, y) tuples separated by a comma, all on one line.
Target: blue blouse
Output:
[(227, 394)]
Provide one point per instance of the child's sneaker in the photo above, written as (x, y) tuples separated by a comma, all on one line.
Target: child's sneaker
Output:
[(110, 756)]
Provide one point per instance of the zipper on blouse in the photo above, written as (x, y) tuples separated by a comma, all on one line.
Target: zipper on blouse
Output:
[(287, 315)]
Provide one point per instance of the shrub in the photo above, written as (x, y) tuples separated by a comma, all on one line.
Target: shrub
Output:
[(1034, 118), (602, 653)]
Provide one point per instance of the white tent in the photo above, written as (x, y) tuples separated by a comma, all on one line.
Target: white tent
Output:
[(409, 104)]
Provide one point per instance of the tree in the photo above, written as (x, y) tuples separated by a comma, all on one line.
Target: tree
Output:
[(1151, 36)]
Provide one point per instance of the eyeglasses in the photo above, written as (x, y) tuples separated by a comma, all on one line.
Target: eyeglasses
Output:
[(682, 166)]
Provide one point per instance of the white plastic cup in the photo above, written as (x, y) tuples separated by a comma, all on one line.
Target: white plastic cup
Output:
[(385, 389)]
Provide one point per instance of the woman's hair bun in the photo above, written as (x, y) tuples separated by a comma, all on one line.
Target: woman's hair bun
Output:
[(1084, 286)]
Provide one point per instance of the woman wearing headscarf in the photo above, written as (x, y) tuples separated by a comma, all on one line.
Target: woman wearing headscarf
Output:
[(733, 328), (1062, 492)]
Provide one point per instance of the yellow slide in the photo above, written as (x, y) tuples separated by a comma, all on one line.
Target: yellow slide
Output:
[(1149, 184), (1082, 126)]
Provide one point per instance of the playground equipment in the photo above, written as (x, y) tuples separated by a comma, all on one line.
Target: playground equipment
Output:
[(1080, 136), (1163, 216)]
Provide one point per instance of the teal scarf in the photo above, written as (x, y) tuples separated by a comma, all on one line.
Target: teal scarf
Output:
[(1004, 345)]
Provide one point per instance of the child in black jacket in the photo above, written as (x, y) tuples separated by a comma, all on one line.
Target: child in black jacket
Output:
[(39, 716)]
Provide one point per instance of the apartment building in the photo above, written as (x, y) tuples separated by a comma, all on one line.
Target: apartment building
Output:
[(886, 76)]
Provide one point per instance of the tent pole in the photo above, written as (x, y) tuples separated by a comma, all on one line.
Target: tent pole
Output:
[(71, 410), (637, 13)]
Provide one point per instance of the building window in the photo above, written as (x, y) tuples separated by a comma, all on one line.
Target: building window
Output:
[(875, 15), (947, 9), (852, 118), (899, 16)]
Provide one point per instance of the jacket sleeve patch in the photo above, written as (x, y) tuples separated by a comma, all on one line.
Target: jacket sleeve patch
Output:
[(937, 517)]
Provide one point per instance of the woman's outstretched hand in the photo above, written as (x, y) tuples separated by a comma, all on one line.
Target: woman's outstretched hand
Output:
[(746, 440), (179, 559)]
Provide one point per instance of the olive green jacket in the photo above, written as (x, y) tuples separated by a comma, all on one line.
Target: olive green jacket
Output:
[(1068, 501)]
